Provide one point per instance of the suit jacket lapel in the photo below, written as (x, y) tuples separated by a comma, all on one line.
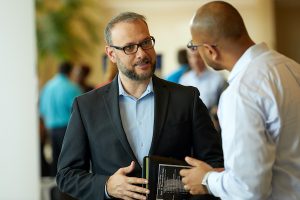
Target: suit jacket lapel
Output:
[(161, 98), (112, 106)]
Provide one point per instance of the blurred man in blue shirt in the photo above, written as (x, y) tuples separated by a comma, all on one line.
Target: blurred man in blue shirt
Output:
[(55, 107), (184, 67)]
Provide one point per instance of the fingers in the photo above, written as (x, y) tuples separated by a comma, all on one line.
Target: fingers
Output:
[(134, 192), (137, 194), (134, 188), (120, 186), (192, 161), (135, 180), (218, 169), (127, 198), (184, 180), (186, 187), (184, 172), (127, 170)]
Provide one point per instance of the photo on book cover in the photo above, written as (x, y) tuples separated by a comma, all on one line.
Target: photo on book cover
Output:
[(169, 184)]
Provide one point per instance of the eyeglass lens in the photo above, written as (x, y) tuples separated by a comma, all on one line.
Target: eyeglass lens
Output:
[(146, 44)]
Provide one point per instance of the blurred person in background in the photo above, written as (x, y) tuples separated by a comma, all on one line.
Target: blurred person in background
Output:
[(110, 73), (45, 167), (56, 99), (80, 75), (210, 83), (183, 66)]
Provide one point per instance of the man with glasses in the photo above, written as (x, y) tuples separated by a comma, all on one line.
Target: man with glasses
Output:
[(259, 112), (138, 114)]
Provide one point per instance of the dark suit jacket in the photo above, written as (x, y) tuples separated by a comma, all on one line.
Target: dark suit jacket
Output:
[(95, 145)]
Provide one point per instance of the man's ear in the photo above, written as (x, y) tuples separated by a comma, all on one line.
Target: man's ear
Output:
[(110, 53), (212, 51)]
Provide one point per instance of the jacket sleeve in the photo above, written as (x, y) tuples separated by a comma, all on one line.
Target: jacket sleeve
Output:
[(206, 140), (74, 176)]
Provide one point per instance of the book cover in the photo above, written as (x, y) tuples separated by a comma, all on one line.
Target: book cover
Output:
[(164, 181)]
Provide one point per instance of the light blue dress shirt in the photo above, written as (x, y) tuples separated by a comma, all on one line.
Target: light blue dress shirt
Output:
[(210, 84), (137, 117)]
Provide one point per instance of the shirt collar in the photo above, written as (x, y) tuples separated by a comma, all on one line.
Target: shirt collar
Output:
[(246, 58), (122, 92)]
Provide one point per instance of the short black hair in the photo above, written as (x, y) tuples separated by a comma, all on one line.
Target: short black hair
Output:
[(85, 70), (65, 68), (182, 57)]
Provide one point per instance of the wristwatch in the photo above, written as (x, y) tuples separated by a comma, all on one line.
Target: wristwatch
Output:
[(205, 183)]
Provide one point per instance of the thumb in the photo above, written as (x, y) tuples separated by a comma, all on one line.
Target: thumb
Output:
[(128, 169), (192, 161)]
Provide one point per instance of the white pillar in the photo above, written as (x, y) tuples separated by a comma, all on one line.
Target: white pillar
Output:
[(19, 141)]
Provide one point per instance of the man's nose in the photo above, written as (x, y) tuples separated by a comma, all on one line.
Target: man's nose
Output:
[(140, 52)]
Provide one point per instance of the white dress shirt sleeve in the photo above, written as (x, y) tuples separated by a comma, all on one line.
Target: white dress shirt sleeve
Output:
[(249, 151)]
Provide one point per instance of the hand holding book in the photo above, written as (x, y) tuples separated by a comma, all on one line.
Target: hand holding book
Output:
[(123, 187), (193, 177)]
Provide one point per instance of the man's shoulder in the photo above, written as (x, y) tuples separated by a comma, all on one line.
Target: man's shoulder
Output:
[(216, 76), (175, 88), (95, 93), (187, 77)]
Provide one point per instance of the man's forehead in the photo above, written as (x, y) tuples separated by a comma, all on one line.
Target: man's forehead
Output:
[(129, 31), (127, 25)]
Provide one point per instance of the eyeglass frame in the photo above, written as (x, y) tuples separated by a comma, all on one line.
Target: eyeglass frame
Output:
[(194, 47), (137, 44)]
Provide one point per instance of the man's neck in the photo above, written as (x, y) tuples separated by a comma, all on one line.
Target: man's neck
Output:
[(133, 87), (238, 51)]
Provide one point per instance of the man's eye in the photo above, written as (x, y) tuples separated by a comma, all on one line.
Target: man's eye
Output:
[(146, 42), (129, 48), (194, 48)]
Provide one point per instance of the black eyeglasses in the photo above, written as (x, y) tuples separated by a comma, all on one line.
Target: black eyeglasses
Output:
[(132, 48), (194, 47)]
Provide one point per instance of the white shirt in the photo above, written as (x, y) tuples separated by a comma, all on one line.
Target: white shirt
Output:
[(210, 85), (260, 119)]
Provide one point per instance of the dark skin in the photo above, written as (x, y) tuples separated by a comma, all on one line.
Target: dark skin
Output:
[(192, 178)]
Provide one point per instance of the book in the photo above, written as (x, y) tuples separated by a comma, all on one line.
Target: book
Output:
[(164, 180)]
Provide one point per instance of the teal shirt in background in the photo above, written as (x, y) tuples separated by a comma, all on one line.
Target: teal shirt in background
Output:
[(56, 101), (175, 76)]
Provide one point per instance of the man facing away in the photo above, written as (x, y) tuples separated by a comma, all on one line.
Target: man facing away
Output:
[(112, 128), (259, 112)]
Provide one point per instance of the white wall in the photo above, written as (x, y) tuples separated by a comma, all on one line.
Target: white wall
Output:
[(19, 164), (169, 21)]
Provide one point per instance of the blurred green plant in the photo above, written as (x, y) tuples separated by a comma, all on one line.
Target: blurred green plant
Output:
[(67, 29)]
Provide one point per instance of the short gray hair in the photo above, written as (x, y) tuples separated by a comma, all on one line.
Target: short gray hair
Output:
[(123, 17)]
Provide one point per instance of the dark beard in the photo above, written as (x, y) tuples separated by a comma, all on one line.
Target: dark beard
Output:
[(131, 74)]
